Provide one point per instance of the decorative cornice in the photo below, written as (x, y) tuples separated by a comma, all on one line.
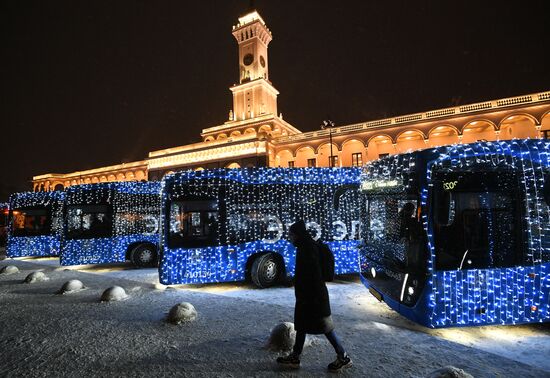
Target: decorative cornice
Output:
[(254, 83), (263, 119), (195, 147), (208, 155), (91, 172)]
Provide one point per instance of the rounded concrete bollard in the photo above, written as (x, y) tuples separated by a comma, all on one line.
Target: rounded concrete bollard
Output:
[(9, 269), (113, 294), (182, 312), (282, 337), (449, 372), (71, 286), (36, 277)]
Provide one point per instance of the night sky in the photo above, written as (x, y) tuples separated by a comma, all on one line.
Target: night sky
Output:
[(86, 84)]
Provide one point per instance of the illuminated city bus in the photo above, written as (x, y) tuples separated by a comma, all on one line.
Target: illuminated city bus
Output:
[(4, 217), (110, 223), (35, 223), (460, 235), (231, 224)]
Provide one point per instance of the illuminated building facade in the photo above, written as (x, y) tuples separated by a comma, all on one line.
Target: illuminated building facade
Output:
[(255, 135)]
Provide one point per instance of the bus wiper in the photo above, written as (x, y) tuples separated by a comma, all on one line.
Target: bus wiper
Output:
[(463, 257)]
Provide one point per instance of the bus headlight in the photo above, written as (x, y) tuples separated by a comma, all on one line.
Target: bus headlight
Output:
[(410, 290), (373, 272)]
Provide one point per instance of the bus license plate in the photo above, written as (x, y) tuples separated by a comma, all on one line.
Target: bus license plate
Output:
[(376, 294)]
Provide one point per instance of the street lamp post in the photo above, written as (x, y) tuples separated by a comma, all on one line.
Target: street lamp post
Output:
[(328, 124)]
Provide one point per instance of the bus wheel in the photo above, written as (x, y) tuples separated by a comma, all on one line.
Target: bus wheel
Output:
[(144, 255), (266, 270)]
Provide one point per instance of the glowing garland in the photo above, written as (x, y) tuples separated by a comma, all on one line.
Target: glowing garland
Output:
[(3, 223), (41, 245), (500, 295), (259, 204), (507, 295), (135, 208)]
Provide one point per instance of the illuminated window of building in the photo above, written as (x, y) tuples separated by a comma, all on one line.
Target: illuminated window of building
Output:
[(380, 156), (333, 161), (357, 159), (312, 162), (291, 164)]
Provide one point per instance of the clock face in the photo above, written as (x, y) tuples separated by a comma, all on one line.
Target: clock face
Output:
[(248, 59), (262, 61)]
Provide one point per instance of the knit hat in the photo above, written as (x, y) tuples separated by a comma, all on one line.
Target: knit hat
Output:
[(298, 228)]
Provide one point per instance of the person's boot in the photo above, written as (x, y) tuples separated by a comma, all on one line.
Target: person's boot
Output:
[(292, 361), (340, 363)]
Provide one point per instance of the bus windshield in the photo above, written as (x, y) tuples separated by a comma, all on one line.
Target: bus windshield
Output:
[(89, 221), (3, 217), (394, 235), (31, 222), (193, 223)]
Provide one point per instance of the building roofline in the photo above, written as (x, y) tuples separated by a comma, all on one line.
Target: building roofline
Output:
[(94, 171), (438, 114)]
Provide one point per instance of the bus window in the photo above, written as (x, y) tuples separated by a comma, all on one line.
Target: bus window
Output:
[(193, 223), (481, 235), (31, 222), (445, 208), (137, 214), (89, 222), (127, 223), (394, 233), (546, 189)]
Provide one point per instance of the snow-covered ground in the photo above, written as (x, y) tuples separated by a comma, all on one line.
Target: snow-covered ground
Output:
[(44, 334)]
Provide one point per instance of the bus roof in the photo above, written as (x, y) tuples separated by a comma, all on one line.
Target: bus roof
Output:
[(132, 187), (272, 175), (401, 172), (24, 199)]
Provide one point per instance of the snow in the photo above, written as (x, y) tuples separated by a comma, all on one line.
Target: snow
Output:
[(47, 335), (114, 294), (182, 313), (36, 277)]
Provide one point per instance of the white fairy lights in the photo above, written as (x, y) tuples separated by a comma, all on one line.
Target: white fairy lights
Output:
[(36, 222), (105, 221), (500, 292), (252, 210)]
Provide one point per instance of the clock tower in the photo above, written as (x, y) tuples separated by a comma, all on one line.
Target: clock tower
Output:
[(254, 95)]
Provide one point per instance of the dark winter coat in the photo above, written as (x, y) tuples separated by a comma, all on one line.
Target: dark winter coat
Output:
[(312, 311)]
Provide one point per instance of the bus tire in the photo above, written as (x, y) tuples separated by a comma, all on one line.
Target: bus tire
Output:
[(144, 255), (266, 270)]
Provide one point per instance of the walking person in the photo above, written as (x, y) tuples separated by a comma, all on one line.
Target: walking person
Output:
[(312, 310)]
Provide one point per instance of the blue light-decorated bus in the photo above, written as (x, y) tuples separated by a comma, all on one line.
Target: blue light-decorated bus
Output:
[(231, 224), (460, 235), (35, 222), (111, 223), (4, 219)]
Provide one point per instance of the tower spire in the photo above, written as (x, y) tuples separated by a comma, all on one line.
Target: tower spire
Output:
[(254, 95)]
